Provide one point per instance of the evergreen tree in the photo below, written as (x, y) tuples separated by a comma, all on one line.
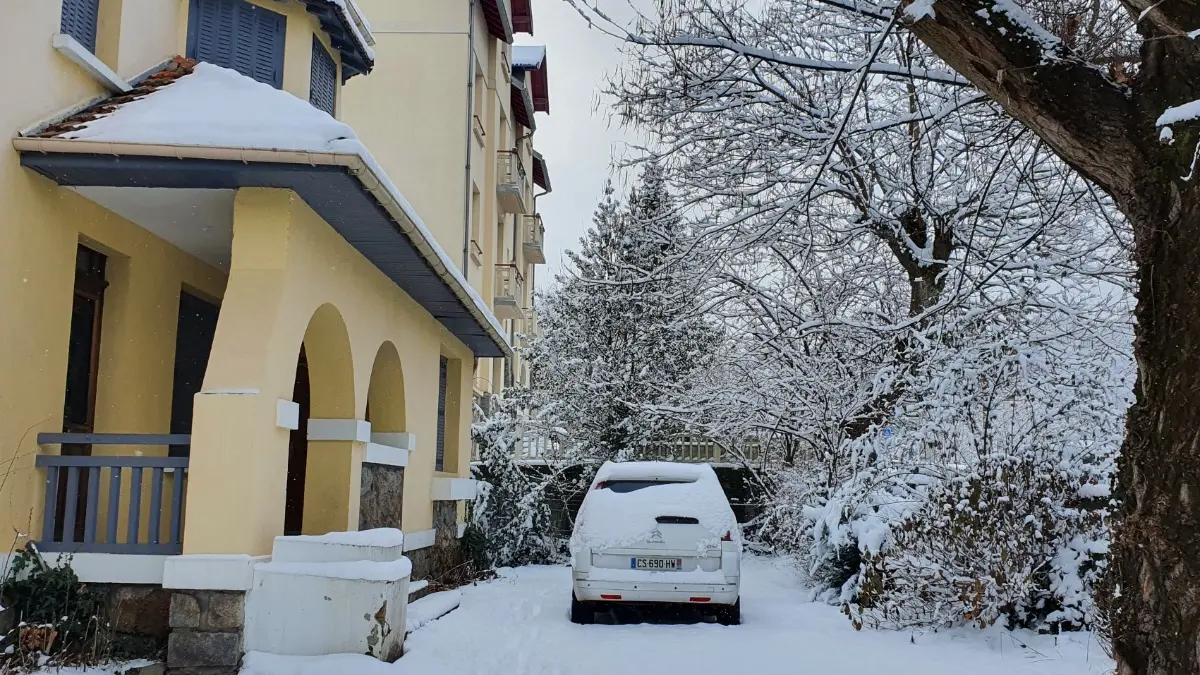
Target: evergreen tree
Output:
[(624, 331)]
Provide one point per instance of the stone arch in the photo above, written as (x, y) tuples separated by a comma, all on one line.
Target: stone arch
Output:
[(385, 394)]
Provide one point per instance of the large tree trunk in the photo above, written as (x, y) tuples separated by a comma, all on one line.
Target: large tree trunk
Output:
[(1156, 560), (1108, 132)]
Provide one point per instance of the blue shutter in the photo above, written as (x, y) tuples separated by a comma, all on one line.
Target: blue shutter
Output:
[(322, 92), (439, 460), (238, 35), (79, 19)]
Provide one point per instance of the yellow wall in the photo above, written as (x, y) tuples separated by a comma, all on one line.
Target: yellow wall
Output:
[(287, 264), (237, 448)]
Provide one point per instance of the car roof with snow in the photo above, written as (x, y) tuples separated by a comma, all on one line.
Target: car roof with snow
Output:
[(657, 471), (612, 519)]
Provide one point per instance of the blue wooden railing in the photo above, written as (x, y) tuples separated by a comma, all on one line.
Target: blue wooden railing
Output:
[(71, 519)]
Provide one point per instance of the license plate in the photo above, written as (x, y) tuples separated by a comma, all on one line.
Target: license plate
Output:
[(655, 563)]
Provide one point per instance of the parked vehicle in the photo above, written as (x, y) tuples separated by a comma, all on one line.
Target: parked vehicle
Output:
[(656, 532)]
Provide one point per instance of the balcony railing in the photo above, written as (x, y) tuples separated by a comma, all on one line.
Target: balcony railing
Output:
[(480, 133), (510, 292), (534, 236), (91, 507), (511, 181)]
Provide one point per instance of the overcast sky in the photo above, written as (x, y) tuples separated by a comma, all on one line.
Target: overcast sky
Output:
[(577, 138)]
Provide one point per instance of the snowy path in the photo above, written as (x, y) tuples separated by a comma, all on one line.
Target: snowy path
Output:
[(518, 626)]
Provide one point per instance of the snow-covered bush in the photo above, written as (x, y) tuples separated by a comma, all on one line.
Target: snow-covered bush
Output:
[(510, 519)]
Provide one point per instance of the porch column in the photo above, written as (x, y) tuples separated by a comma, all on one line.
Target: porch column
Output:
[(237, 477)]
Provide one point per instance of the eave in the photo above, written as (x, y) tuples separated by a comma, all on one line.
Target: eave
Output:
[(499, 23), (523, 16), (356, 56), (341, 188), (541, 173), (522, 104)]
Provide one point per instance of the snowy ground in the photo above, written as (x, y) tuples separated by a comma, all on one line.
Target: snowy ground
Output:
[(517, 625)]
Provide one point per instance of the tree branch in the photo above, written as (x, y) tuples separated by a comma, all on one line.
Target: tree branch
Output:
[(1072, 105)]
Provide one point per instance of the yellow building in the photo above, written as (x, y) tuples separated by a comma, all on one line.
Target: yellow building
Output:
[(450, 114), (230, 316)]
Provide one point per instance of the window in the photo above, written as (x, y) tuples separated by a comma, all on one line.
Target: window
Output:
[(236, 34), (79, 19), (322, 91), (439, 460)]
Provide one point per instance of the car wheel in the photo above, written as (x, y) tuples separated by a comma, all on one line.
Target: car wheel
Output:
[(582, 612), (730, 615)]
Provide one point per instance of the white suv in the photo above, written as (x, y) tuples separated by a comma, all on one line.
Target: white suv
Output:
[(656, 532)]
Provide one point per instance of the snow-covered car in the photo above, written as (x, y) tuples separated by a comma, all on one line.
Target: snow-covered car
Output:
[(656, 532)]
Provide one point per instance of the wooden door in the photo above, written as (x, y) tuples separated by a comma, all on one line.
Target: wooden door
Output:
[(83, 370)]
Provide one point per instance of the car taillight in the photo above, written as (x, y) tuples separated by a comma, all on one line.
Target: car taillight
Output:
[(699, 599), (601, 485), (728, 536)]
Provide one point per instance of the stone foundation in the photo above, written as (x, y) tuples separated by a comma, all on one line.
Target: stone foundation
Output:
[(138, 617), (382, 496), (206, 632)]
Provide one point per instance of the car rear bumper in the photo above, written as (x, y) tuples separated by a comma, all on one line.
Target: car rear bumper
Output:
[(641, 591)]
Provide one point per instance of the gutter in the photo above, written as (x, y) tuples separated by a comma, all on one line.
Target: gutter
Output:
[(466, 252), (399, 210)]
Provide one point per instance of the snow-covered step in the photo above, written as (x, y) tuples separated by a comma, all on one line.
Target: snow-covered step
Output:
[(381, 545), (311, 609)]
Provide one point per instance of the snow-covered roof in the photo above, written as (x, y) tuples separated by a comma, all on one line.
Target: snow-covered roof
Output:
[(344, 18), (204, 106), (528, 57)]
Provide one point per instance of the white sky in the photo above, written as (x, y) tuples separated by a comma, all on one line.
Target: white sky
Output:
[(577, 138)]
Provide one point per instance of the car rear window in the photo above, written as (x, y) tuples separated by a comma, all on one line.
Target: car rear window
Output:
[(623, 486)]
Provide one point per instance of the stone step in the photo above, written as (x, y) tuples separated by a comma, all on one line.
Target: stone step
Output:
[(380, 545), (313, 609)]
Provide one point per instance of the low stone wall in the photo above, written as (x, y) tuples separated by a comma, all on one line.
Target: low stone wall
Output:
[(206, 632), (382, 496), (137, 615)]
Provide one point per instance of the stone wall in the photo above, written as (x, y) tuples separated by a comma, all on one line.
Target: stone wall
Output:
[(382, 496), (138, 617), (206, 632), (433, 563)]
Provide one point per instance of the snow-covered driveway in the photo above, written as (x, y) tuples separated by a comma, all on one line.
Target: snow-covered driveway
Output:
[(517, 625)]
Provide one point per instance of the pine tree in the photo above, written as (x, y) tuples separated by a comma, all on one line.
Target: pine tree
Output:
[(624, 331)]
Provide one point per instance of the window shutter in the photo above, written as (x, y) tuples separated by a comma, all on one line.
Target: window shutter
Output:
[(79, 19), (439, 461), (322, 91), (238, 35)]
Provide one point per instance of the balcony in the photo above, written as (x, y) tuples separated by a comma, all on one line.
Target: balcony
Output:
[(534, 236), (511, 182), (113, 503), (510, 292)]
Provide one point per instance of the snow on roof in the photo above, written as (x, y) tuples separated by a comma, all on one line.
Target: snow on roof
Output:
[(528, 57), (357, 22), (610, 519), (221, 108), (215, 106)]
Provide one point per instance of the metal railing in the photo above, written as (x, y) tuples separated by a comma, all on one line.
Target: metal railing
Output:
[(511, 179), (510, 285), (91, 507), (480, 132), (533, 239)]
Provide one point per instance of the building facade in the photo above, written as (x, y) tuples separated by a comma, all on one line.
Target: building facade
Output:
[(232, 317), (451, 110)]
